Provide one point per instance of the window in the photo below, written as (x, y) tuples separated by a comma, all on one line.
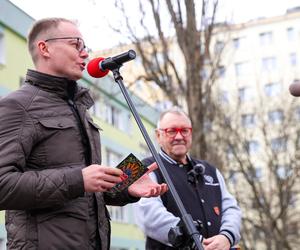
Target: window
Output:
[(293, 200), (224, 96), (241, 68), (232, 177), (227, 121), (291, 34), (283, 171), (144, 151), (221, 71), (2, 243), (158, 61), (118, 213), (252, 147), (153, 85), (125, 123), (255, 173), (204, 74), (112, 158), (297, 111), (293, 59), (275, 116), (248, 120), (162, 105), (293, 228), (138, 61), (96, 109), (116, 117), (230, 152), (139, 85), (21, 81), (272, 89), (258, 173), (269, 64), (239, 42), (245, 94), (279, 144), (257, 232), (298, 139), (219, 46), (266, 38), (2, 49), (160, 58), (207, 126), (256, 204), (112, 115)]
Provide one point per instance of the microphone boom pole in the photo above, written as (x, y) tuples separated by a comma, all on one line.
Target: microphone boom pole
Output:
[(186, 218)]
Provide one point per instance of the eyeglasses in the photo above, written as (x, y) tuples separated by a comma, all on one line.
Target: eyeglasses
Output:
[(172, 132), (80, 46)]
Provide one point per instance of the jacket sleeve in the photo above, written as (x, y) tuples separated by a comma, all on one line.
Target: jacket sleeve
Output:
[(152, 210), (231, 214), (22, 189), (121, 199)]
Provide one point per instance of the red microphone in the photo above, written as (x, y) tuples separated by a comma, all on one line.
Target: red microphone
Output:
[(99, 67), (295, 88), (95, 70)]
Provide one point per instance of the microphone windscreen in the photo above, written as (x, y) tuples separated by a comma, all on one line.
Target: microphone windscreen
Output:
[(93, 68), (295, 88)]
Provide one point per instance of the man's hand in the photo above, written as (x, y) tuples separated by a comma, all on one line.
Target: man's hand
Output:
[(99, 178), (145, 187), (217, 242)]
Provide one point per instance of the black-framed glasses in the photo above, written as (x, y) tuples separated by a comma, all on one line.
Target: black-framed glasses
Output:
[(172, 132), (80, 45)]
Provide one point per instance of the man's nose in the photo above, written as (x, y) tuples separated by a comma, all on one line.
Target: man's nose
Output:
[(84, 54), (178, 135)]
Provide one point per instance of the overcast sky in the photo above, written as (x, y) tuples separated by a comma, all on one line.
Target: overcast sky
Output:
[(94, 14)]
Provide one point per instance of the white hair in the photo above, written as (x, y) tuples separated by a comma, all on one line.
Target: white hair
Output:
[(174, 110)]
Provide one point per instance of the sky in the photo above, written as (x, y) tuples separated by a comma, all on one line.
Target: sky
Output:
[(94, 16)]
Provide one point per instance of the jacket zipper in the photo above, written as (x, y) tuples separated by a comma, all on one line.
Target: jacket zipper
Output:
[(83, 133)]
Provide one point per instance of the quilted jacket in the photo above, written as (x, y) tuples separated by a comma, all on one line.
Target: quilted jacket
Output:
[(46, 138)]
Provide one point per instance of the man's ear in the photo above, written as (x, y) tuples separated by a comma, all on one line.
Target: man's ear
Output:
[(157, 135), (43, 48)]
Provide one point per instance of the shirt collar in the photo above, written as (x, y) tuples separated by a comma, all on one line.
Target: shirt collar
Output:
[(168, 158)]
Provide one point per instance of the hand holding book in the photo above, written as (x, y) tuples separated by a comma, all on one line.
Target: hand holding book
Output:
[(135, 177)]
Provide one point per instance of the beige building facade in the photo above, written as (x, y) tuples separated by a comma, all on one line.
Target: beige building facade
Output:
[(260, 59)]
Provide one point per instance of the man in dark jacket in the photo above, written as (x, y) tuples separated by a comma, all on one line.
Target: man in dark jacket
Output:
[(200, 187), (52, 185)]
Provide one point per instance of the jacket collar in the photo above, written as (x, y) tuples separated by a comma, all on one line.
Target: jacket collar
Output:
[(168, 158), (61, 86)]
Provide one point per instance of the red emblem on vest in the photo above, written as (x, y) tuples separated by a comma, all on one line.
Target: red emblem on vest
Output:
[(217, 210)]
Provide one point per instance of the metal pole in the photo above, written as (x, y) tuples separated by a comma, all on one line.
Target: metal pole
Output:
[(186, 218)]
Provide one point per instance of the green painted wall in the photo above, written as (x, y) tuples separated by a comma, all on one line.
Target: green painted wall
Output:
[(17, 60), (127, 236)]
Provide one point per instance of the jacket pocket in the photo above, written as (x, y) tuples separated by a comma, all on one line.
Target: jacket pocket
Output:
[(57, 123), (76, 208), (60, 142), (64, 227)]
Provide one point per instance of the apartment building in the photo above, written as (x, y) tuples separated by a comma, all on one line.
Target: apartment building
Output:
[(259, 60)]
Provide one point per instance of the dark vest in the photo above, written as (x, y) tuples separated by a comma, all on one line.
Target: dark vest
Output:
[(203, 201)]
